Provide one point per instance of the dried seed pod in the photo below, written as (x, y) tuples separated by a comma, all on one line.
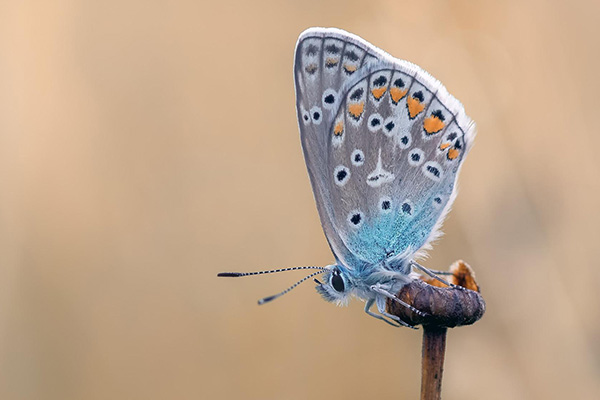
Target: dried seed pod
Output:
[(446, 306)]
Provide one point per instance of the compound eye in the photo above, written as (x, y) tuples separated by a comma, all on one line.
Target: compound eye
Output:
[(337, 282)]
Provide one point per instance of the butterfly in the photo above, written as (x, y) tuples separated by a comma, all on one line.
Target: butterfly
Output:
[(383, 142)]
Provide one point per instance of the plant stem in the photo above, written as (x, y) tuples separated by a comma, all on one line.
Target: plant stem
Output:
[(432, 363)]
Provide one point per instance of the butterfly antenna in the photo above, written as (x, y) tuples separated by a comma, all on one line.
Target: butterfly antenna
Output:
[(271, 298), (238, 274)]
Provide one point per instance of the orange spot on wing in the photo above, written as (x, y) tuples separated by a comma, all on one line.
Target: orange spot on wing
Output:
[(311, 68), (444, 146), (433, 124), (350, 68), (452, 154), (338, 129), (356, 109), (397, 94), (331, 62), (414, 106), (378, 92)]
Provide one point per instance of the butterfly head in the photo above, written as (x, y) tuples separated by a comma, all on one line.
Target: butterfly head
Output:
[(337, 285)]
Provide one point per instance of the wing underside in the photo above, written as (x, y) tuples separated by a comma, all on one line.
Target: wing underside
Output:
[(383, 142)]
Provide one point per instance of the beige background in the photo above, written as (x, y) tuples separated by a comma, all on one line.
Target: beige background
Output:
[(145, 146)]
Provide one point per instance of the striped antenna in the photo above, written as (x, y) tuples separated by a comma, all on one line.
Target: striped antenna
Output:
[(271, 298), (238, 274)]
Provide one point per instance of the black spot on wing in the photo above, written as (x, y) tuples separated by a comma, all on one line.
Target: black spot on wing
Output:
[(312, 50), (356, 218), (357, 94), (333, 49), (382, 80), (438, 113), (352, 56), (434, 171), (406, 208)]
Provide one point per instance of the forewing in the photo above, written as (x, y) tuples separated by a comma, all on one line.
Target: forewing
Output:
[(325, 60)]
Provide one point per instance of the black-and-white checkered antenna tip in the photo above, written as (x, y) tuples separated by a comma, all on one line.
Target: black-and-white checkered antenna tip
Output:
[(271, 298), (272, 271)]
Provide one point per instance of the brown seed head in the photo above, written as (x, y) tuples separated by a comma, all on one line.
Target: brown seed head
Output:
[(447, 307)]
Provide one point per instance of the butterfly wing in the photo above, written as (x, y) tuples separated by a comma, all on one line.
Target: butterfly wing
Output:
[(325, 59), (383, 157)]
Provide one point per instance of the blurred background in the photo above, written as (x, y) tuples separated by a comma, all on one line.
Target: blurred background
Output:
[(146, 146)]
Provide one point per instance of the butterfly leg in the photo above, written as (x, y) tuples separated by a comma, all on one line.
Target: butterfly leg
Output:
[(385, 314), (380, 290), (381, 306), (368, 306), (434, 276), (397, 319), (437, 272)]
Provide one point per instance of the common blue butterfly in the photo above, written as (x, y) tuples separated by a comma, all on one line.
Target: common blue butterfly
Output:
[(383, 142)]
